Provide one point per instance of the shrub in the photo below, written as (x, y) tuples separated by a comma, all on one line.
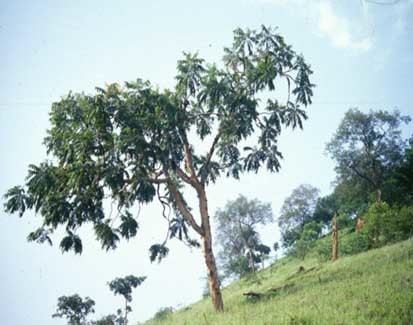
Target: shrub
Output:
[(385, 224), (163, 313), (309, 235)]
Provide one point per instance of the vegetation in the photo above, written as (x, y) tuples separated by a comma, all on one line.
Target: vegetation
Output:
[(74, 309), (296, 211), (373, 287), (135, 143), (367, 147), (240, 247), (123, 287)]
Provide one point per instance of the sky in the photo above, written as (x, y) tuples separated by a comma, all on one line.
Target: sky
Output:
[(361, 55)]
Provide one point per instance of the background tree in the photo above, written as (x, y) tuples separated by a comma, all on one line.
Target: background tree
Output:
[(123, 286), (134, 144), (401, 179), (296, 211), (111, 319), (367, 147), (240, 245), (74, 309)]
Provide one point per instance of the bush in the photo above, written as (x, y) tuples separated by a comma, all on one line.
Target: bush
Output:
[(309, 235), (384, 224), (349, 243), (163, 313), (353, 243)]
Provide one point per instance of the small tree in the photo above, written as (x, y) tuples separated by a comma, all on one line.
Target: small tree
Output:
[(240, 245), (135, 143), (111, 319), (296, 211), (123, 286), (74, 309), (310, 233)]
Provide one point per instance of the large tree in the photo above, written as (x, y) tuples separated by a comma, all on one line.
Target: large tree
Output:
[(240, 245), (296, 211), (367, 147), (135, 143)]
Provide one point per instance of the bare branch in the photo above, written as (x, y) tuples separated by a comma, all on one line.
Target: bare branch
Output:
[(180, 203)]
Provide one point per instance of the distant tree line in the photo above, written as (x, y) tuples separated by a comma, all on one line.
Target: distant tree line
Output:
[(374, 183)]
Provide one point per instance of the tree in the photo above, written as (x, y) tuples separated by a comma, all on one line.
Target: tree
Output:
[(401, 180), (74, 309), (123, 286), (309, 234), (296, 211), (135, 143), (111, 319), (367, 147), (240, 245)]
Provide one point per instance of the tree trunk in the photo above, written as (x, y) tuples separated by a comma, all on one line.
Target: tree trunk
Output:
[(378, 195), (213, 281), (126, 313), (334, 253)]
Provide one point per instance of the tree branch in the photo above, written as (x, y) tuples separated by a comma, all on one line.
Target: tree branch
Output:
[(209, 156), (185, 177), (360, 174), (180, 203)]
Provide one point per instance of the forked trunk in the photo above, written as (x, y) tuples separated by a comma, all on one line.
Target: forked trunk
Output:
[(213, 280)]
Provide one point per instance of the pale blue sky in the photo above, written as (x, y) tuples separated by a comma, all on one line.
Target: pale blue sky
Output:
[(361, 55)]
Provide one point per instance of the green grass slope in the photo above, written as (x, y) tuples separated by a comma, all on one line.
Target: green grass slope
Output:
[(375, 287)]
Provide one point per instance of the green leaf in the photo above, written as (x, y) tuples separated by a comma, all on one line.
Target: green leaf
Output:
[(158, 251)]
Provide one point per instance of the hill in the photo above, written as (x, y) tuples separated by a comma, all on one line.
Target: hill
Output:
[(374, 287)]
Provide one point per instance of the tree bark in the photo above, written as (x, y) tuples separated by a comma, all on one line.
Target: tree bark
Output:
[(126, 313), (213, 280)]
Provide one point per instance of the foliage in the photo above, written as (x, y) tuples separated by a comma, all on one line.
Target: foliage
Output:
[(385, 224), (123, 286), (311, 232), (74, 309), (124, 142), (401, 180), (163, 313), (111, 319), (296, 210), (367, 146), (240, 245), (135, 143), (350, 243)]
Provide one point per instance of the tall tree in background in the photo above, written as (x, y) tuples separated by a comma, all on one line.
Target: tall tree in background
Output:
[(367, 147), (123, 286), (296, 211), (240, 245), (134, 144)]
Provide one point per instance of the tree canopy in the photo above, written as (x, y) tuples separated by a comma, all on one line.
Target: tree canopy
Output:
[(134, 143), (367, 147), (123, 287), (240, 244), (297, 209), (74, 308)]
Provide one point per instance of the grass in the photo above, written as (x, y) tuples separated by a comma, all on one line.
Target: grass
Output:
[(374, 287)]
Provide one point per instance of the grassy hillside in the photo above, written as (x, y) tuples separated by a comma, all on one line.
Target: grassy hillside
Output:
[(375, 287)]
